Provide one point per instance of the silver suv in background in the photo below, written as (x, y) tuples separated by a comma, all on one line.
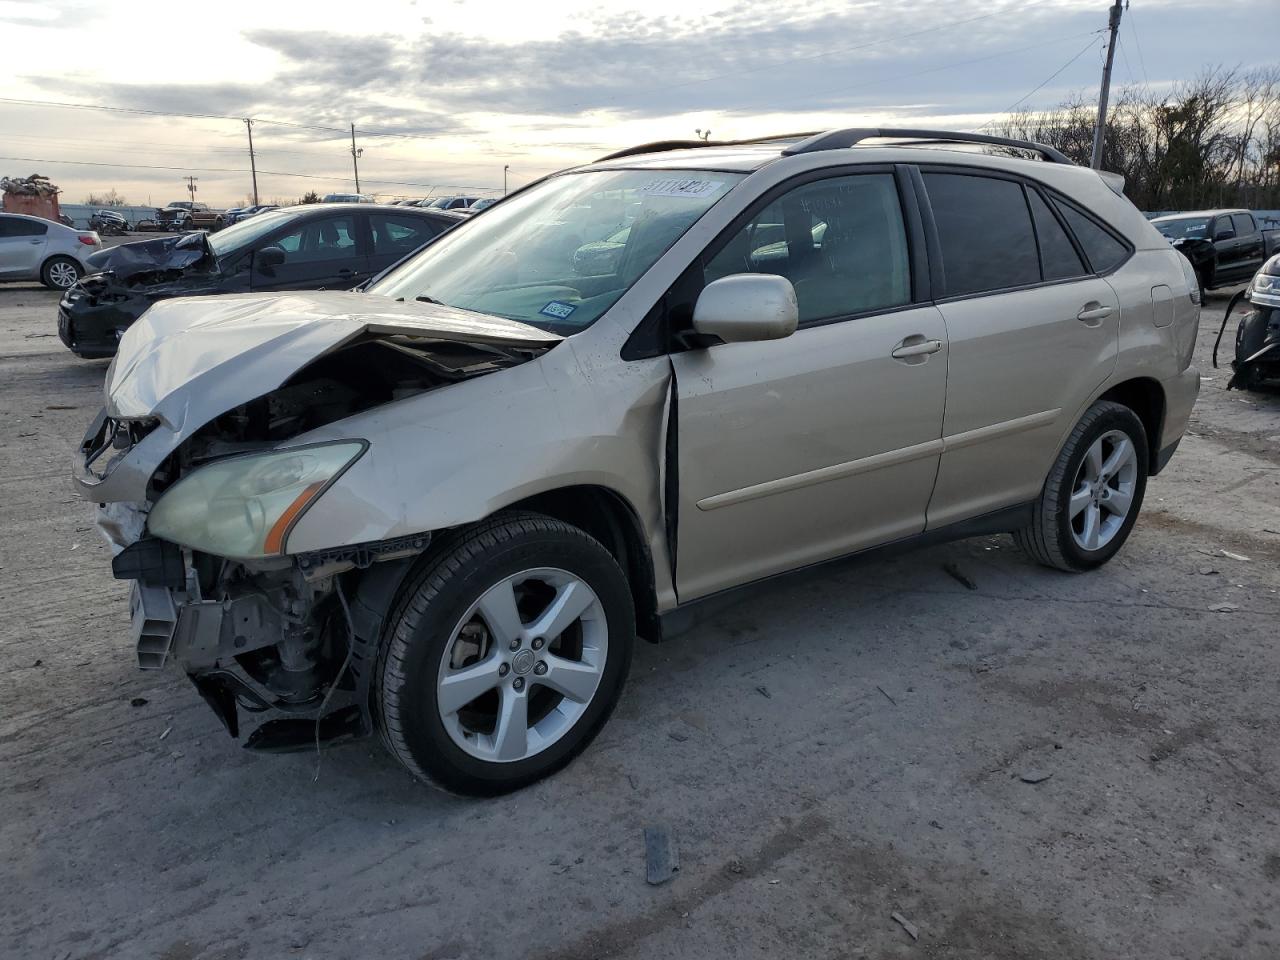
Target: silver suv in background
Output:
[(32, 248), (443, 508)]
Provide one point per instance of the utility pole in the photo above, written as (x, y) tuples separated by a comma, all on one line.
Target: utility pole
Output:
[(253, 165), (191, 187), (1099, 132), (355, 156), (505, 168)]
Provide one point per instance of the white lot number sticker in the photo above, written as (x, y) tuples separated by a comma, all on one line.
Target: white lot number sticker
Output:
[(679, 187)]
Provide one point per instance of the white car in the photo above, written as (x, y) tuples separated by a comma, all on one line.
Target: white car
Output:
[(32, 248)]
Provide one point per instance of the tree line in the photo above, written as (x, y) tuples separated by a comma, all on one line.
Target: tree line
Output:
[(1213, 141)]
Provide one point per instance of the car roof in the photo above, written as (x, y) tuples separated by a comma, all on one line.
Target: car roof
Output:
[(1198, 213)]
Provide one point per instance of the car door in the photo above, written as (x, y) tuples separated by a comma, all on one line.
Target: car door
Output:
[(795, 451), (319, 252), (23, 244), (396, 235), (1228, 247), (1249, 238), (1033, 330)]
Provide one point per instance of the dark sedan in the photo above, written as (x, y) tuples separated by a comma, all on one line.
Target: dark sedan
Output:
[(299, 248)]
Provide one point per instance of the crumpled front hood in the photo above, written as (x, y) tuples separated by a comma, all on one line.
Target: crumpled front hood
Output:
[(162, 253), (187, 360)]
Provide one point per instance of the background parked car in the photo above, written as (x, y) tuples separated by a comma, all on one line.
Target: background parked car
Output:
[(296, 248), (1224, 246), (346, 198), (189, 215), (32, 248), (109, 223), (447, 203), (244, 213)]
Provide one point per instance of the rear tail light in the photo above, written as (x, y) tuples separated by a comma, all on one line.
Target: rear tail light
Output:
[(89, 239)]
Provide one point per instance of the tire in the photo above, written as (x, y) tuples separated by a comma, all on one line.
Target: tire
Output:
[(1058, 538), (60, 273), (438, 636)]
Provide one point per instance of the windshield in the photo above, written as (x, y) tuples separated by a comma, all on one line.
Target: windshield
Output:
[(241, 234), (522, 262), (1190, 228)]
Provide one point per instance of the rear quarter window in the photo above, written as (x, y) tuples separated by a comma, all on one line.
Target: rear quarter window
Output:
[(1104, 250)]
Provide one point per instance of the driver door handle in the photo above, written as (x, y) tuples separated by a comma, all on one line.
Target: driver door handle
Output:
[(915, 346)]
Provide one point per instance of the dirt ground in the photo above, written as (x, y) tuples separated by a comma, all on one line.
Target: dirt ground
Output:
[(829, 751)]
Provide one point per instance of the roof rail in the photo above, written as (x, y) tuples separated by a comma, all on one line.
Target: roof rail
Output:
[(839, 139), (659, 146)]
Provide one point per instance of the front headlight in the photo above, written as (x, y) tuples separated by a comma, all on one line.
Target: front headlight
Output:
[(1264, 289), (244, 507)]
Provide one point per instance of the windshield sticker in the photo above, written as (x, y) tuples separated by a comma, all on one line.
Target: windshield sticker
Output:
[(680, 187), (558, 310)]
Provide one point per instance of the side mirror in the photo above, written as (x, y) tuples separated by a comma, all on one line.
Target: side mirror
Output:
[(747, 306), (269, 257), (1227, 234)]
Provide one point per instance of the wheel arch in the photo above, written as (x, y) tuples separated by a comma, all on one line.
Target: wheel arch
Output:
[(1145, 397), (607, 516)]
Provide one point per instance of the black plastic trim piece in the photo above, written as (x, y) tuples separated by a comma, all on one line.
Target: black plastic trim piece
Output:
[(1005, 520), (152, 561)]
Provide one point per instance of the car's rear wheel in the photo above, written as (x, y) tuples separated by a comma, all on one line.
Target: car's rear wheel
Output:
[(506, 655), (60, 273), (1093, 493)]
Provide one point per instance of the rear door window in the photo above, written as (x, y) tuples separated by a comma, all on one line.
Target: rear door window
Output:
[(1058, 257), (984, 229), (1104, 250), (397, 235), (1243, 222), (21, 227)]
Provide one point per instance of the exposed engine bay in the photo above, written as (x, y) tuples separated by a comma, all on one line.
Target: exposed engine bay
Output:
[(286, 637)]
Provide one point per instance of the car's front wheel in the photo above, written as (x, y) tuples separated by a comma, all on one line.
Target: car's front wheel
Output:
[(506, 655), (1093, 493), (60, 273)]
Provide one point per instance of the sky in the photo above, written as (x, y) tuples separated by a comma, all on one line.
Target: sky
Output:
[(445, 94)]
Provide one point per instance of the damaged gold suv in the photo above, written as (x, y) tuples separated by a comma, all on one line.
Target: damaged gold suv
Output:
[(443, 507)]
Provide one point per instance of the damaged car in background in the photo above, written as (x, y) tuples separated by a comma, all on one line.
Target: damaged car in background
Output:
[(302, 248), (442, 508)]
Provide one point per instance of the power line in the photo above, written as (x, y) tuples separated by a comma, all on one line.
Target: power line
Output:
[(1045, 82), (203, 116), (949, 66), (238, 170), (1142, 63), (816, 56)]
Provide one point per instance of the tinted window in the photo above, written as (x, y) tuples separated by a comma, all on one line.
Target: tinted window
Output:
[(20, 227), (1058, 258), (1104, 251), (1243, 223), (841, 242), (985, 232), (400, 234), (332, 238)]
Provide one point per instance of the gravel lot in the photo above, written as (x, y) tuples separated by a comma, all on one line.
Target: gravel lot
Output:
[(829, 751)]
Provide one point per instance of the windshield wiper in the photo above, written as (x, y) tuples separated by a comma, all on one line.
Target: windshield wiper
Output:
[(425, 299)]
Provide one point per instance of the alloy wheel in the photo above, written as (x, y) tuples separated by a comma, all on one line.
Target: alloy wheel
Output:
[(1103, 491), (63, 275), (522, 665)]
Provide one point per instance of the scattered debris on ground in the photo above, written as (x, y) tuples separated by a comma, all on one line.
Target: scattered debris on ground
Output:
[(661, 859), (906, 924), (959, 575), (1035, 776)]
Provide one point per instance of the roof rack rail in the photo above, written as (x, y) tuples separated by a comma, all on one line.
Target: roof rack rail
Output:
[(659, 146), (839, 139)]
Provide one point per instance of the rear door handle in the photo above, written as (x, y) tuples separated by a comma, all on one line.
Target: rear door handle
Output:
[(915, 346), (1091, 313)]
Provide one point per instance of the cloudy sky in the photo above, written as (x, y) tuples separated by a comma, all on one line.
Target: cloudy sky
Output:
[(444, 93)]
